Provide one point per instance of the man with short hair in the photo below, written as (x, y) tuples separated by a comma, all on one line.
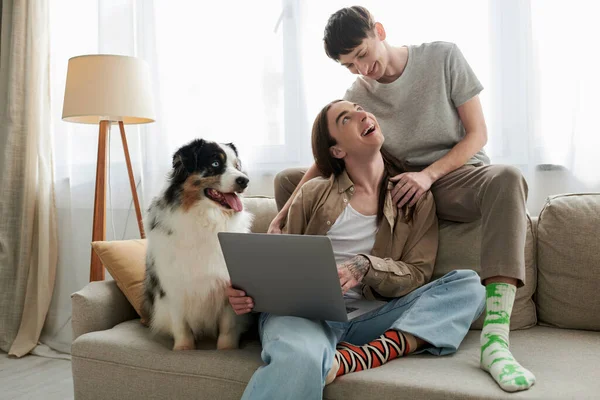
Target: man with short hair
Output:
[(426, 100)]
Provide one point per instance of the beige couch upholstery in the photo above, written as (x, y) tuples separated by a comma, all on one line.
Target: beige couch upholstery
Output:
[(556, 329)]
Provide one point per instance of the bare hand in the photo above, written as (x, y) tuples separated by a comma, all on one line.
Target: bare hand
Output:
[(240, 303), (352, 272), (410, 187), (276, 224)]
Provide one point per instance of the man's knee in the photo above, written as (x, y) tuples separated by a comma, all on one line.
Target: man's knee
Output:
[(474, 287), (466, 276), (508, 177), (282, 176), (296, 343), (291, 329), (288, 177), (285, 183), (471, 286)]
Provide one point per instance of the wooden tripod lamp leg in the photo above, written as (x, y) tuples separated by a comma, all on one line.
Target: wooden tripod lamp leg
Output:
[(99, 226), (136, 202)]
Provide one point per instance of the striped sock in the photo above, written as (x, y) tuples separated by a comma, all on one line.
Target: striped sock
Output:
[(374, 354)]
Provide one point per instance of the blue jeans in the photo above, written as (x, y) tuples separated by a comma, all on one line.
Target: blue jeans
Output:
[(298, 352)]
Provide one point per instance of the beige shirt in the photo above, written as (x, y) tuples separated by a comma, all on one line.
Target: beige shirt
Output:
[(404, 253)]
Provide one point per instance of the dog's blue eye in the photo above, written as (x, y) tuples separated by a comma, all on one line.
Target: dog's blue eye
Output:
[(216, 164)]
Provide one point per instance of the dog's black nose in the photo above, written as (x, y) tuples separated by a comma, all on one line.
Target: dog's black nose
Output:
[(242, 181)]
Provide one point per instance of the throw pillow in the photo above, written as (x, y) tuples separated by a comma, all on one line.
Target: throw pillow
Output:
[(125, 260)]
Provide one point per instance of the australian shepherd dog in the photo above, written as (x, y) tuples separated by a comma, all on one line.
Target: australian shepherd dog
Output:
[(186, 274)]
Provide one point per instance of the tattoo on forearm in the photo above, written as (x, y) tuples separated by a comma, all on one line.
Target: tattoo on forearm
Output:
[(358, 267)]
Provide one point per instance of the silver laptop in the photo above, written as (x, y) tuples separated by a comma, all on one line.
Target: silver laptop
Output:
[(290, 275)]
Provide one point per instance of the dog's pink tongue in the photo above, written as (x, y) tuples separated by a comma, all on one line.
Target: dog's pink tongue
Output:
[(234, 201)]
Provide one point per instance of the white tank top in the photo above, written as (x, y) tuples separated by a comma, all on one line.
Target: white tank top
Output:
[(352, 233)]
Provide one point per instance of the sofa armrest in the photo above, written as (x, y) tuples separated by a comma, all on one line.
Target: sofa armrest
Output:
[(99, 306)]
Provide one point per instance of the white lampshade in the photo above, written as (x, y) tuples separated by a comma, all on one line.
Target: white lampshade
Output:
[(108, 87)]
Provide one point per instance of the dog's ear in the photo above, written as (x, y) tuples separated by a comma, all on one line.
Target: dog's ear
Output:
[(186, 158), (179, 168), (178, 173), (233, 148), (177, 160)]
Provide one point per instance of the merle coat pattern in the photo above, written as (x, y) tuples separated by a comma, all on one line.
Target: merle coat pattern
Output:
[(186, 274)]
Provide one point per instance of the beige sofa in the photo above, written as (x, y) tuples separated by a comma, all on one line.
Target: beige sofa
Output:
[(556, 329)]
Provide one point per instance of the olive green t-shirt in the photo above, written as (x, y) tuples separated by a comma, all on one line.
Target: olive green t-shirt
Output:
[(418, 111)]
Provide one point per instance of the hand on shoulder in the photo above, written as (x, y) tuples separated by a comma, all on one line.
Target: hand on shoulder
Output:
[(410, 187)]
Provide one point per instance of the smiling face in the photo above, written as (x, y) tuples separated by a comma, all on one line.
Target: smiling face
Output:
[(355, 40), (207, 171), (355, 131), (370, 58)]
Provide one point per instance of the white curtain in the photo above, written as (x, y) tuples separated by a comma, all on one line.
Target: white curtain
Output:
[(536, 60), (218, 74), (566, 83), (255, 73), (28, 239)]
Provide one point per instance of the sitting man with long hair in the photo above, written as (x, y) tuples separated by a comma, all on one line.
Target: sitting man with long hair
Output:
[(382, 252)]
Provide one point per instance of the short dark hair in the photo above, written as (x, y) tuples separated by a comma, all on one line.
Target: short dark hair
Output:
[(346, 29)]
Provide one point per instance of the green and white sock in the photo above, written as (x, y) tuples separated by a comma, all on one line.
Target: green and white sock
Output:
[(495, 354)]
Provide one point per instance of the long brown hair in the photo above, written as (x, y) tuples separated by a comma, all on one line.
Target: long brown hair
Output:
[(393, 167), (329, 165), (321, 142)]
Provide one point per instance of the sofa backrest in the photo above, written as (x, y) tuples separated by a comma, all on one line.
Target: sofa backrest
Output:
[(568, 254), (264, 210), (459, 248)]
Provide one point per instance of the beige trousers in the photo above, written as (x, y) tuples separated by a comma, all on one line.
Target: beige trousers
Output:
[(496, 194)]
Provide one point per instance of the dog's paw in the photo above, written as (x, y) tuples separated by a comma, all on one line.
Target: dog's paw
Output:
[(227, 343), (184, 345)]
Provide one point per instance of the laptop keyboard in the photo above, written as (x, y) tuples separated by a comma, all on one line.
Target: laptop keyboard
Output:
[(350, 309)]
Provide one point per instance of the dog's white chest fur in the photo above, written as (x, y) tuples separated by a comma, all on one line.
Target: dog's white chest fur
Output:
[(186, 275), (189, 264)]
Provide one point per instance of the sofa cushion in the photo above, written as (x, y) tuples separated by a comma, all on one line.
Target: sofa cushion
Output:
[(569, 262), (264, 210), (125, 260), (127, 362), (459, 248), (562, 372)]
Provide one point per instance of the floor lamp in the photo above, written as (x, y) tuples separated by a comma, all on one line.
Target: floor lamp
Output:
[(104, 90)]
